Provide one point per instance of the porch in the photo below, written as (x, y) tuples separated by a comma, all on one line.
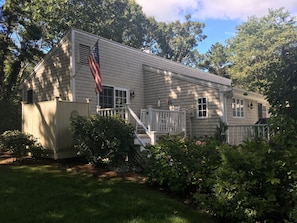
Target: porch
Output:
[(152, 123), (237, 134)]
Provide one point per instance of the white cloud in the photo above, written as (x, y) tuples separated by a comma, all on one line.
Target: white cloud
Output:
[(170, 10)]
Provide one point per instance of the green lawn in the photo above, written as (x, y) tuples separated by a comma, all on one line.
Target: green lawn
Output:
[(47, 194)]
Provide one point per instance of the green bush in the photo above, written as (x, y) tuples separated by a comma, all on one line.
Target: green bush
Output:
[(182, 166), (103, 140), (255, 182), (18, 143)]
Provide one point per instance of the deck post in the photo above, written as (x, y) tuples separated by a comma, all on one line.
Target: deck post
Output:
[(149, 117), (127, 114)]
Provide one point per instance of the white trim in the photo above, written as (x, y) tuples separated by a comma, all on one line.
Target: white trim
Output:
[(121, 89), (73, 63), (197, 108)]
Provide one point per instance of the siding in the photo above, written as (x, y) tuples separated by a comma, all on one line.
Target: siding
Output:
[(185, 95), (51, 76), (122, 67), (250, 115)]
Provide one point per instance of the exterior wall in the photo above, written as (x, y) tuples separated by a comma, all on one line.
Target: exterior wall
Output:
[(184, 94), (122, 67), (49, 122), (51, 77), (250, 115)]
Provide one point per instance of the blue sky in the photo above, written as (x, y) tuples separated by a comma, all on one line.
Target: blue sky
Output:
[(219, 16)]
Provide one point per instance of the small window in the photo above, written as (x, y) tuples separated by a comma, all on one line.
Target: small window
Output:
[(202, 107), (237, 107), (84, 53), (30, 96)]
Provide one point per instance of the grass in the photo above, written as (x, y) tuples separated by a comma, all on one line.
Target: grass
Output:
[(44, 193)]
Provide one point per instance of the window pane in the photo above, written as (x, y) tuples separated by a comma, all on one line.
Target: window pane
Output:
[(106, 97)]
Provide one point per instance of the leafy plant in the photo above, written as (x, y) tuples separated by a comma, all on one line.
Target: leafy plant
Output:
[(103, 140), (255, 182), (19, 143), (183, 166), (221, 131)]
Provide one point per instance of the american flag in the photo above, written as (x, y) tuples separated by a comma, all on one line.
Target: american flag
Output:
[(94, 63)]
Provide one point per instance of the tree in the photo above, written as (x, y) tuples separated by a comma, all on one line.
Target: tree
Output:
[(215, 60), (281, 92), (258, 44), (20, 39), (177, 41), (120, 20)]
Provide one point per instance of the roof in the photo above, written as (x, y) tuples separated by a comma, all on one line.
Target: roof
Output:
[(187, 71)]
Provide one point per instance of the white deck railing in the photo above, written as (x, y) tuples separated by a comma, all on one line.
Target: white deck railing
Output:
[(237, 134), (164, 121), (120, 111), (151, 121)]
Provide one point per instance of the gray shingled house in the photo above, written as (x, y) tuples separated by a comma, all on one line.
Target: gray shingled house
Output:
[(167, 97)]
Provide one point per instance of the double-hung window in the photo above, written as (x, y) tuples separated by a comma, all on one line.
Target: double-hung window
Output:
[(238, 107), (202, 107)]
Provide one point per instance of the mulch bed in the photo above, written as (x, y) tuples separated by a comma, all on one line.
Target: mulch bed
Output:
[(72, 166)]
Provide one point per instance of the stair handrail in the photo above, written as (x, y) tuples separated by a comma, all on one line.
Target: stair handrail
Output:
[(139, 122)]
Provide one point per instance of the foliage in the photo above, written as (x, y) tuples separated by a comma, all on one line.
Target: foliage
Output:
[(255, 182), (215, 60), (281, 93), (246, 183), (10, 116), (221, 132), (19, 143), (177, 41), (257, 45), (182, 166), (103, 140)]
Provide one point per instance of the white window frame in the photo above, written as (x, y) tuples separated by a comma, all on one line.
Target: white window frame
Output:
[(237, 108), (116, 98), (202, 107)]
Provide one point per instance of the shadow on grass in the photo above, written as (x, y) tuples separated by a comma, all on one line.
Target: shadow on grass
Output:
[(47, 194)]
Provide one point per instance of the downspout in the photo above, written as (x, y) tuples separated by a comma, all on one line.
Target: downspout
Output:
[(72, 62)]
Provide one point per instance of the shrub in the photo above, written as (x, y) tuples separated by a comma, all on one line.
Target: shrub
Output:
[(17, 142), (255, 182), (182, 166), (102, 140)]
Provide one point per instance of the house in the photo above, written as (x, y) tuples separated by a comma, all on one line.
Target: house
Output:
[(146, 82)]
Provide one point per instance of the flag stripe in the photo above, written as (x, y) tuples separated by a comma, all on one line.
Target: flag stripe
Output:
[(94, 64)]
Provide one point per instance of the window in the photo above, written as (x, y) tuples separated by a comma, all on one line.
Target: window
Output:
[(111, 97), (202, 108), (237, 107), (106, 97), (120, 98), (30, 96), (84, 53)]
